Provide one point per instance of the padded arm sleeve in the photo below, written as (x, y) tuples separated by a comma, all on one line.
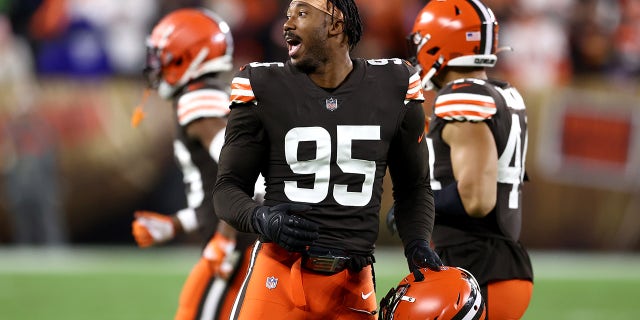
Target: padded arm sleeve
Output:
[(409, 169), (238, 168)]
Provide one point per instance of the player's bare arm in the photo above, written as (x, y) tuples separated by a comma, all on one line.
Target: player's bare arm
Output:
[(206, 129), (474, 158)]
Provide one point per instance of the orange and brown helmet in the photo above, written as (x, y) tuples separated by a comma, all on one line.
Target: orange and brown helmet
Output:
[(184, 45), (453, 33), (451, 293)]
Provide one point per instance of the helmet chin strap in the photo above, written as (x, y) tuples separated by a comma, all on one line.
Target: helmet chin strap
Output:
[(427, 84)]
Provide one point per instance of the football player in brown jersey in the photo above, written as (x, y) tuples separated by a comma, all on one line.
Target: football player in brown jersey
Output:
[(477, 143), (323, 128), (188, 50)]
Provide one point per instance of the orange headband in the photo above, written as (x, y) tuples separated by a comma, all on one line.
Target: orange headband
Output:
[(325, 6)]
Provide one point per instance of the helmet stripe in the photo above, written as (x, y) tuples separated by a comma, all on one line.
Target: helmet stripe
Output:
[(487, 20), (471, 308)]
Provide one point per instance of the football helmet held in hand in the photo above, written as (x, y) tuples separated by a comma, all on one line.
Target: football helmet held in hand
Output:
[(461, 33), (451, 293), (184, 45)]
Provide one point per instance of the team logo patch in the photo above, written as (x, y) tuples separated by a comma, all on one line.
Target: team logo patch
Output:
[(271, 283), (331, 104)]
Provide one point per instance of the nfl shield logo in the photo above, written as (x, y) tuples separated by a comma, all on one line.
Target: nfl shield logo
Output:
[(272, 282), (331, 104)]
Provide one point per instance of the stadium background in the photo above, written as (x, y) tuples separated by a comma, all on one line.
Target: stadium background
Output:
[(75, 65)]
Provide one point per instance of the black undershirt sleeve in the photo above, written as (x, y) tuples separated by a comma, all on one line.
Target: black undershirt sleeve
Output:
[(238, 168), (409, 168), (448, 202)]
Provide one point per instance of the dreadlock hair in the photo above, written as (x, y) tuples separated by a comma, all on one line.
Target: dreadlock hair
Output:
[(352, 22)]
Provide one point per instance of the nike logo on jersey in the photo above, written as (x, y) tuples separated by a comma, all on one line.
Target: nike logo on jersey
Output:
[(366, 296), (457, 86)]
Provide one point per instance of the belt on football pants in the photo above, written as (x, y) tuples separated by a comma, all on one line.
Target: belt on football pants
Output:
[(332, 261)]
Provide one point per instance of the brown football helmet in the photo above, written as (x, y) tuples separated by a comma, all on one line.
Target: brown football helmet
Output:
[(184, 45), (451, 293), (453, 33)]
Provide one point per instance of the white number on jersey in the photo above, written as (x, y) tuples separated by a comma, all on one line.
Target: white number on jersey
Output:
[(190, 175), (382, 62), (320, 166), (266, 64), (513, 152)]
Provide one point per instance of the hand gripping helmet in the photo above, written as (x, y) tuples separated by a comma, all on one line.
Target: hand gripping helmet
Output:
[(184, 45), (451, 293), (452, 33)]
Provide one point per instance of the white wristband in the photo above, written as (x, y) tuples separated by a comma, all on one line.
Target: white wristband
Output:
[(259, 190), (188, 220), (216, 145)]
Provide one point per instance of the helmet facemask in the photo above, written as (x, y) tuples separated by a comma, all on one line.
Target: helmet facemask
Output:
[(415, 43), (153, 68), (389, 303)]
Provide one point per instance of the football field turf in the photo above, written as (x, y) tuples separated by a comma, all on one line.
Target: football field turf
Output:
[(102, 283)]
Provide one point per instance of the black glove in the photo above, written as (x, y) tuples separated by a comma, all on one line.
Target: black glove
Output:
[(420, 255), (290, 231), (391, 220)]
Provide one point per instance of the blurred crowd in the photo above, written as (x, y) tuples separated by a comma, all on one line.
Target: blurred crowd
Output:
[(544, 44), (556, 41)]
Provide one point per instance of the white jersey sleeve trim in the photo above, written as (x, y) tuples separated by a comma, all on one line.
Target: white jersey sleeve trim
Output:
[(465, 106), (205, 103)]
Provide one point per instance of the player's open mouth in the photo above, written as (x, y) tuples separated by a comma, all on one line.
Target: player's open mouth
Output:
[(293, 44)]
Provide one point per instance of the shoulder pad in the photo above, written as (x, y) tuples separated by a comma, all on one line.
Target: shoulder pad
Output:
[(465, 100), (403, 68), (394, 64), (414, 92), (241, 89), (202, 103)]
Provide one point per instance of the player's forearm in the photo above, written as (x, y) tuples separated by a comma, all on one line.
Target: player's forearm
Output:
[(233, 205), (408, 165), (238, 169), (414, 215), (413, 197), (477, 197)]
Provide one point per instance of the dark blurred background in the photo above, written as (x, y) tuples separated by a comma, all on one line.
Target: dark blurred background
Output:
[(70, 77)]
